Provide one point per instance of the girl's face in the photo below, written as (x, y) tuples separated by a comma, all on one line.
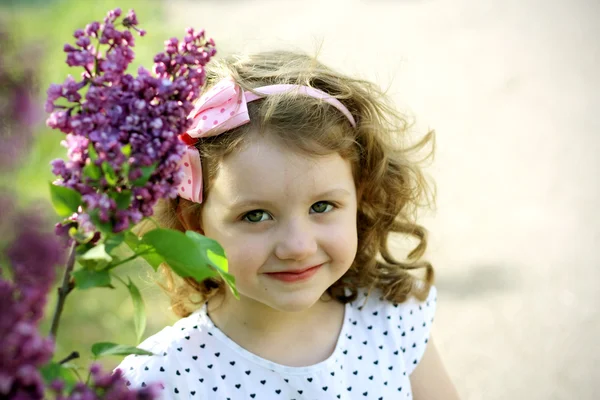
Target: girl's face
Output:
[(275, 210)]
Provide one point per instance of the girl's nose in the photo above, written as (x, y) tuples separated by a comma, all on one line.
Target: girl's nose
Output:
[(296, 242)]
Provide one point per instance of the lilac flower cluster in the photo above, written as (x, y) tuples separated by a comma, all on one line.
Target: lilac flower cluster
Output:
[(17, 110), (23, 297), (122, 135), (105, 386), (24, 350)]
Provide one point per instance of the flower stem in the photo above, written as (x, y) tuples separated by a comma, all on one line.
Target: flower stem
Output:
[(70, 357), (63, 291), (133, 257)]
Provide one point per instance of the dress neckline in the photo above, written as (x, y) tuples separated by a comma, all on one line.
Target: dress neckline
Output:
[(271, 365)]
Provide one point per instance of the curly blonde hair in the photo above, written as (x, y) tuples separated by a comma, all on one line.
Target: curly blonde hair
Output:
[(390, 184)]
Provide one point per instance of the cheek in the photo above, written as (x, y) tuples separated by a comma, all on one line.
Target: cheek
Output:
[(235, 247), (246, 253), (342, 240)]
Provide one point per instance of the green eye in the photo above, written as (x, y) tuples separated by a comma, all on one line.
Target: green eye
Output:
[(322, 207), (256, 216)]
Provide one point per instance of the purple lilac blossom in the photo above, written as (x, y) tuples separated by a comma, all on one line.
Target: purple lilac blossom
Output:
[(18, 109), (105, 386), (146, 112), (23, 349), (22, 301), (31, 256), (22, 298)]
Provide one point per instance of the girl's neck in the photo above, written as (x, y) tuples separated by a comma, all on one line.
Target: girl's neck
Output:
[(255, 317), (270, 333)]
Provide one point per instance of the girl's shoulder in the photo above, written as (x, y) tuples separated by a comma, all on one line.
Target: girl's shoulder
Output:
[(405, 327), (375, 303)]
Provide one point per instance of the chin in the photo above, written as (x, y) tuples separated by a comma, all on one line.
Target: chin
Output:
[(294, 302)]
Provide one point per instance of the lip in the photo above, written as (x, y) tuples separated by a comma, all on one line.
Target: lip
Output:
[(295, 276)]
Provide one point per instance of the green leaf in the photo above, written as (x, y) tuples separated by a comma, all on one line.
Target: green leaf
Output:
[(92, 171), (230, 281), (65, 200), (139, 313), (52, 371), (103, 227), (214, 255), (87, 278), (211, 251), (82, 248), (80, 237), (97, 252), (92, 152), (123, 199), (148, 253), (132, 240), (153, 258), (109, 174), (180, 252), (217, 260), (125, 169), (113, 241), (146, 173), (126, 150), (206, 243), (113, 349), (93, 265)]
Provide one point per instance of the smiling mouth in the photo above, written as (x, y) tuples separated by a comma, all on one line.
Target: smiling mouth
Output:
[(295, 272), (295, 276)]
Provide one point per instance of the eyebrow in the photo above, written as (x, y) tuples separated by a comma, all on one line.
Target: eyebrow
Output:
[(242, 203)]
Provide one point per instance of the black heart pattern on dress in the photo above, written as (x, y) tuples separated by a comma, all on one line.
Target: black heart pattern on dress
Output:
[(374, 326)]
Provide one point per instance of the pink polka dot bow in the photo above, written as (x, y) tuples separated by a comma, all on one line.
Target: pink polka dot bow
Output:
[(221, 109)]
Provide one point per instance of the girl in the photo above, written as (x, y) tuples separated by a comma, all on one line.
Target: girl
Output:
[(301, 174)]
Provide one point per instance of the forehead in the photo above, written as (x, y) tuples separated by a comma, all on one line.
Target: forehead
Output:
[(266, 167)]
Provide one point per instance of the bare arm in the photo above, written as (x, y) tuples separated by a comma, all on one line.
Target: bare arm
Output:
[(430, 380)]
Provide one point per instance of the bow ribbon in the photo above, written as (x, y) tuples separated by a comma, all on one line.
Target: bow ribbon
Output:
[(191, 184), (221, 109)]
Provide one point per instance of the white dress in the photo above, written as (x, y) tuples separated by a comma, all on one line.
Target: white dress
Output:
[(379, 346)]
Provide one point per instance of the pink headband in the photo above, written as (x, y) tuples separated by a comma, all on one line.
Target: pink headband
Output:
[(221, 109)]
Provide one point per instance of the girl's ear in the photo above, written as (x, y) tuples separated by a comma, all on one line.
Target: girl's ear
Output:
[(188, 215)]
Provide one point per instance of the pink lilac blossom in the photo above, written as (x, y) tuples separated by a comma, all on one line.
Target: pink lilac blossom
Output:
[(146, 112)]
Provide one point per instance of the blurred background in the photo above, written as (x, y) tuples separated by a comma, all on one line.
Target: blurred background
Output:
[(512, 89)]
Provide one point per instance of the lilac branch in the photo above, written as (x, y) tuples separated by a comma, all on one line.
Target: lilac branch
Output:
[(74, 355), (133, 257), (63, 291)]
